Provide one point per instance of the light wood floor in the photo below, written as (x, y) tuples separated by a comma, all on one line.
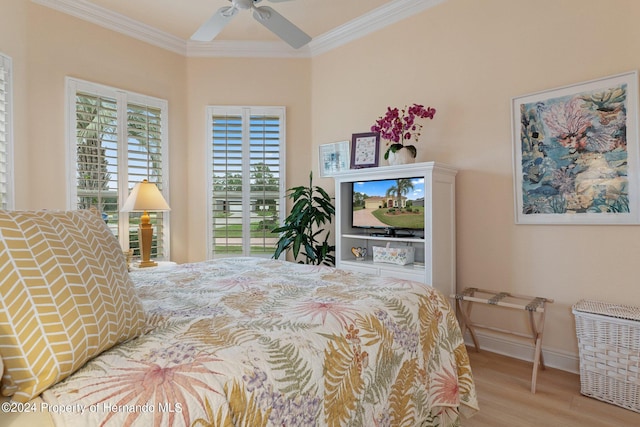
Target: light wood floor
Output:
[(503, 386)]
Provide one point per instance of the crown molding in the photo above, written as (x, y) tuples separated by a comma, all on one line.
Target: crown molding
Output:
[(90, 12), (370, 22), (245, 49)]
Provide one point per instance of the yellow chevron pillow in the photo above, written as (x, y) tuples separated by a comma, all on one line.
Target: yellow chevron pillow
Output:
[(65, 296)]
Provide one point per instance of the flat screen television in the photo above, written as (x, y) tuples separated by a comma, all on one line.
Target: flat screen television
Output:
[(394, 206)]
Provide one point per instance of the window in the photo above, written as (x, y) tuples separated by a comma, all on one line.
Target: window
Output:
[(246, 179), (118, 139), (6, 136)]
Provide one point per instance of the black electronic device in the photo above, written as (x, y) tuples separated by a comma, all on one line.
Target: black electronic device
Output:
[(389, 207)]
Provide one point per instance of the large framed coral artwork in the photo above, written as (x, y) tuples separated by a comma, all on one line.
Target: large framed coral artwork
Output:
[(576, 153)]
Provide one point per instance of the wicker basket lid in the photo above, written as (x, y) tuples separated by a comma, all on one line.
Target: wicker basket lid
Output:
[(608, 309)]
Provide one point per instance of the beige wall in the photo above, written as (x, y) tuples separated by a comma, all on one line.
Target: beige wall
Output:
[(47, 46), (13, 42), (266, 82), (61, 46), (467, 58)]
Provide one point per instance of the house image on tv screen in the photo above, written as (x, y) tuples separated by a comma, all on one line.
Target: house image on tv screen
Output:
[(390, 203)]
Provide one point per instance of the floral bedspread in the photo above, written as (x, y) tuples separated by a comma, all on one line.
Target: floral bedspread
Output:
[(254, 342)]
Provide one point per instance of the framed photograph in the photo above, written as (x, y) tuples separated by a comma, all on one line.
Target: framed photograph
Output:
[(576, 153), (365, 148), (334, 158)]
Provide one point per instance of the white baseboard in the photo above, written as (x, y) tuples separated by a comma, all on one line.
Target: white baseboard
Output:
[(518, 349)]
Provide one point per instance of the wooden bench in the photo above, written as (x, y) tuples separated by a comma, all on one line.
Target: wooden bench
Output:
[(530, 304)]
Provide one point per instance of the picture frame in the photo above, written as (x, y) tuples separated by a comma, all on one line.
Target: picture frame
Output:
[(333, 158), (365, 150), (575, 153)]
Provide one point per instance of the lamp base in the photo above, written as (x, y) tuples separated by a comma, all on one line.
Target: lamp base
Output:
[(143, 264), (146, 235)]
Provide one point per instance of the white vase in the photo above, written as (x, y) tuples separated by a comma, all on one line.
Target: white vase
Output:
[(402, 156)]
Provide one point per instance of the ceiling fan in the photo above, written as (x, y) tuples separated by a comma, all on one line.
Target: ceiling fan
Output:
[(272, 20)]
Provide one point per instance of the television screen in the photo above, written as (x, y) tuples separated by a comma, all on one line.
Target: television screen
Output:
[(396, 204)]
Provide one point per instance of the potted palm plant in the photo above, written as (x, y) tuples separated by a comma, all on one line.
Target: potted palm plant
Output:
[(303, 229)]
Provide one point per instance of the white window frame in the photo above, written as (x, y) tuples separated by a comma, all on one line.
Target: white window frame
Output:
[(6, 66), (245, 112), (73, 86)]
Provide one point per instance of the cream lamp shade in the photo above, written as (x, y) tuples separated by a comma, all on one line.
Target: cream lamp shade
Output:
[(145, 197)]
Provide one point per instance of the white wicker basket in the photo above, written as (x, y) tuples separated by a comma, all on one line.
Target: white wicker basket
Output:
[(609, 347)]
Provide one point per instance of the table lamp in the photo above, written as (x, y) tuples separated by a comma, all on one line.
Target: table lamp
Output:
[(145, 197)]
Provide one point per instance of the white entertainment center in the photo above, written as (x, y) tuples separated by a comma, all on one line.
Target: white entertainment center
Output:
[(435, 247)]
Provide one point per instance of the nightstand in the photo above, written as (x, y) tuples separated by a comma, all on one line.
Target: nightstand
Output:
[(162, 265)]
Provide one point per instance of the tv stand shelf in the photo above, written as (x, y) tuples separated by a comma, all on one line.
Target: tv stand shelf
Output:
[(384, 238), (434, 247)]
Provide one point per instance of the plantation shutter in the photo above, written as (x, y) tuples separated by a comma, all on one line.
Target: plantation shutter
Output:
[(145, 161), (6, 161), (97, 155), (247, 179), (227, 185), (119, 141), (264, 199)]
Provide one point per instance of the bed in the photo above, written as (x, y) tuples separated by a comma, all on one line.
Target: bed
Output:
[(253, 342)]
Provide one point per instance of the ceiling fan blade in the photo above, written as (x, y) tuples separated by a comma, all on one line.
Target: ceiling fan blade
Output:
[(210, 29), (281, 26)]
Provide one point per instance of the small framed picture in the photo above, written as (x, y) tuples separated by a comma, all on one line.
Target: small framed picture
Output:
[(334, 158), (364, 150)]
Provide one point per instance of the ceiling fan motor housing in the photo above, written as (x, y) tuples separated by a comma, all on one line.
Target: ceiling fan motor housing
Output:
[(265, 15), (242, 4)]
